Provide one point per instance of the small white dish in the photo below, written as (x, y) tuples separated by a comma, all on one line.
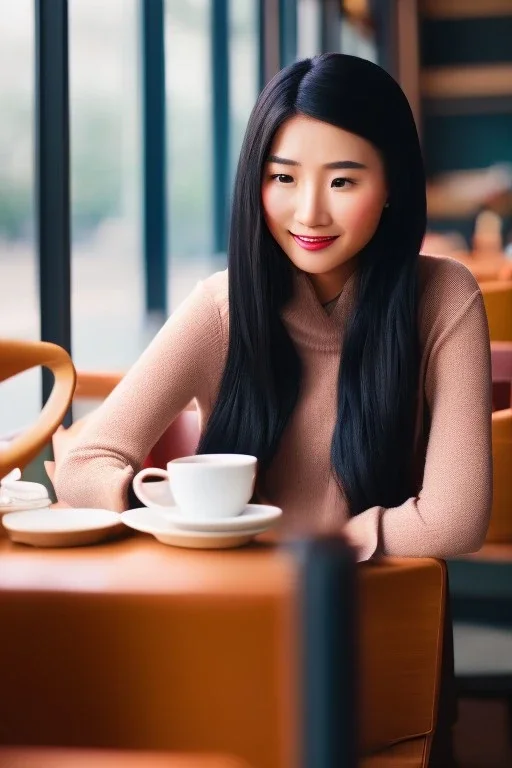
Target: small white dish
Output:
[(17, 495), (253, 516), (151, 520), (21, 506), (61, 527)]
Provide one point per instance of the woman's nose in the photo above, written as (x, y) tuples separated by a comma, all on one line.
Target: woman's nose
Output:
[(311, 210)]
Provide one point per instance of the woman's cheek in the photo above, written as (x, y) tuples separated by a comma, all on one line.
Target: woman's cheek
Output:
[(275, 203), (269, 199), (364, 213)]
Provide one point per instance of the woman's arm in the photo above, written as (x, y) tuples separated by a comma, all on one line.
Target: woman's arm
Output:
[(451, 513), (178, 365)]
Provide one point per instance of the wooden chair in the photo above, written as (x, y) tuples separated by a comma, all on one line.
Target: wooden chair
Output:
[(19, 356), (500, 527), (402, 621), (486, 268), (497, 297)]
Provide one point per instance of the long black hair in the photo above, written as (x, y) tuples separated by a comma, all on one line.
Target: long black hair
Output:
[(371, 449)]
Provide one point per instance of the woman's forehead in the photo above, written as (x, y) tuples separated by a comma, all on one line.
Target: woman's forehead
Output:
[(306, 140)]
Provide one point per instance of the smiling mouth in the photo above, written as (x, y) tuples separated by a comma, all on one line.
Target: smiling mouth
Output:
[(314, 243), (309, 239)]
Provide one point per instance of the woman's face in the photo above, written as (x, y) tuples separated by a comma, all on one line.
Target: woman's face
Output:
[(323, 193)]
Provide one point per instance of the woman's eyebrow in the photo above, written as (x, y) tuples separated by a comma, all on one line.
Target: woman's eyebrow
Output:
[(337, 165)]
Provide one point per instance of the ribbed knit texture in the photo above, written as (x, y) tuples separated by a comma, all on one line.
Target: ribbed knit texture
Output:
[(450, 513)]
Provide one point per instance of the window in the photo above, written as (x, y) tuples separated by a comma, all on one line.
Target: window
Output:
[(20, 398)]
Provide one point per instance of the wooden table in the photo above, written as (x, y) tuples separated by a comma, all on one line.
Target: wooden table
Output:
[(37, 757), (135, 645), (109, 632)]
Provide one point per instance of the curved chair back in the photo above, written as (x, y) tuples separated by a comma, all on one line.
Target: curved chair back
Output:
[(500, 526), (19, 356), (497, 297)]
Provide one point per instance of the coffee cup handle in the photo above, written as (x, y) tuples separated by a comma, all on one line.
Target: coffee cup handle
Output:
[(138, 484)]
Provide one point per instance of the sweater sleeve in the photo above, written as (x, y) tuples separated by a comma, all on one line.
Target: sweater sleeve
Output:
[(451, 513), (98, 468)]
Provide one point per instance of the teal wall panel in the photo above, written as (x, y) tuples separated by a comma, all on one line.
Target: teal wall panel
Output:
[(466, 41)]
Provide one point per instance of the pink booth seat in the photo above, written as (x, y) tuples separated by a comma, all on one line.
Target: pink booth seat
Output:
[(179, 439), (501, 361)]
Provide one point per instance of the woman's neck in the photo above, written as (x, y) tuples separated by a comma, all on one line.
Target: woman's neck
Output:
[(329, 285)]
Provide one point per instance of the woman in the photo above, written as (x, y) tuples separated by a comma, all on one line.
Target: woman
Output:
[(356, 370)]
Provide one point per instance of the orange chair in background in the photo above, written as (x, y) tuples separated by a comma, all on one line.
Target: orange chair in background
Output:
[(497, 297), (500, 527), (19, 356), (96, 385)]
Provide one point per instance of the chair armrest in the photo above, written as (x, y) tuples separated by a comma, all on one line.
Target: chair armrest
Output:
[(19, 356)]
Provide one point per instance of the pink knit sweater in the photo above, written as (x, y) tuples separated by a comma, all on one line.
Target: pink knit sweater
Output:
[(450, 513)]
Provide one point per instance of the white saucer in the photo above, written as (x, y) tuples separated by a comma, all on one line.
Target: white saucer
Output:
[(151, 520), (61, 527), (20, 506), (251, 517)]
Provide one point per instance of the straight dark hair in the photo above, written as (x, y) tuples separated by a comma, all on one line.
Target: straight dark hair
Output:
[(372, 443)]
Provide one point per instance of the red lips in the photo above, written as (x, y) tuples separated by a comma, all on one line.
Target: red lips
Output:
[(313, 243)]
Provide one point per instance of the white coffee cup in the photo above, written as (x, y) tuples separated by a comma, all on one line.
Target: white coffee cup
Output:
[(208, 485)]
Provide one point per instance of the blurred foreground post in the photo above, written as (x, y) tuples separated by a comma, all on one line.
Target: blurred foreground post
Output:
[(154, 155), (52, 177), (329, 668)]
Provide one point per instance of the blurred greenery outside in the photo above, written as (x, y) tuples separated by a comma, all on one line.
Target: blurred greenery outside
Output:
[(105, 121)]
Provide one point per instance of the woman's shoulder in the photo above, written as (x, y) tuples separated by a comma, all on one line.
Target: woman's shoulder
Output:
[(444, 283), (447, 289), (208, 299), (441, 273), (216, 287)]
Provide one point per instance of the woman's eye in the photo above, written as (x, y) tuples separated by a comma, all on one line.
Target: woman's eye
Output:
[(342, 183), (282, 178)]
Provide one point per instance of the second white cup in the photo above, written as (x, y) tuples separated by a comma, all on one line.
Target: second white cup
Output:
[(209, 485)]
